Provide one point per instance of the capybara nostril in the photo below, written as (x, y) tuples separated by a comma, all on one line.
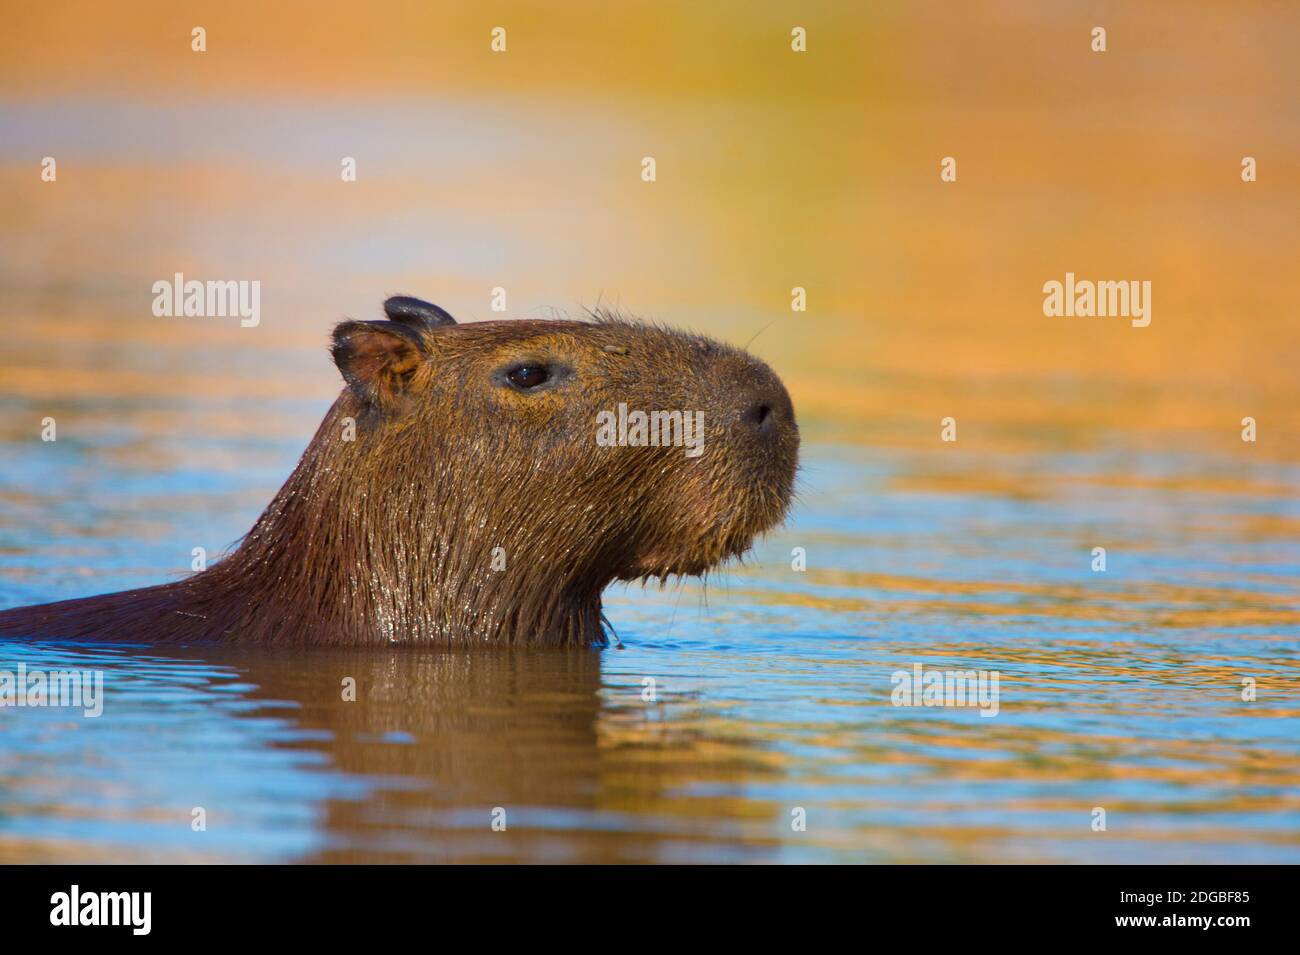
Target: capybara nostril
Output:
[(760, 416)]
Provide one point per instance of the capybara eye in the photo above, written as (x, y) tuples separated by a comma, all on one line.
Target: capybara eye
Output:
[(527, 376)]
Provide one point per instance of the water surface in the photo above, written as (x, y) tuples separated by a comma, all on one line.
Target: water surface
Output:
[(772, 686)]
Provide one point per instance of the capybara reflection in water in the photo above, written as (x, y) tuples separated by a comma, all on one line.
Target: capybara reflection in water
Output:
[(482, 484)]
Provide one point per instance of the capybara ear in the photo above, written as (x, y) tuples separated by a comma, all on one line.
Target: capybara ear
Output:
[(378, 360), (416, 311)]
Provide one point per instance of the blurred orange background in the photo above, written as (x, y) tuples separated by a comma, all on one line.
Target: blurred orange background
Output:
[(775, 169)]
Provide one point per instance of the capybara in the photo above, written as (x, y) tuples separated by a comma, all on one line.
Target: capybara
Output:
[(481, 484)]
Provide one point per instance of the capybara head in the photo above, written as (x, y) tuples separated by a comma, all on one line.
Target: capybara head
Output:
[(560, 455), (481, 484)]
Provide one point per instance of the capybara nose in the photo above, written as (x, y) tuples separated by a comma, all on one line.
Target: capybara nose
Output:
[(757, 406), (760, 416), (766, 414)]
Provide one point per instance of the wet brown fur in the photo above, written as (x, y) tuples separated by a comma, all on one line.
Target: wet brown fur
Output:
[(389, 538)]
